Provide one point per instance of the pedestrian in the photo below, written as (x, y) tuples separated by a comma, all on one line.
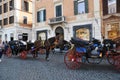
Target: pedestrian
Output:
[(47, 47), (6, 46), (1, 49)]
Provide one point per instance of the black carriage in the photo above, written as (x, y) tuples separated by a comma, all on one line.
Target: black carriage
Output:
[(93, 52), (21, 48), (14, 48)]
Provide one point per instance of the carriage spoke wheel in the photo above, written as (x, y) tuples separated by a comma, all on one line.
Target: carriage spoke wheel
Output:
[(72, 61), (23, 54), (111, 59), (117, 63), (9, 52)]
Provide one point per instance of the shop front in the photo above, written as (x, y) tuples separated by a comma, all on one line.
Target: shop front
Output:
[(83, 32), (42, 34), (111, 27)]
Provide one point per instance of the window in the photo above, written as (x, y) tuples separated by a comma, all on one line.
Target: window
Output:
[(0, 9), (41, 15), (5, 21), (58, 10), (0, 22), (11, 5), (111, 6), (25, 36), (26, 6), (25, 20), (11, 19), (80, 6), (5, 7)]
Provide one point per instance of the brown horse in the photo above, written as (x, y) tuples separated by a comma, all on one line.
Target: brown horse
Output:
[(54, 42)]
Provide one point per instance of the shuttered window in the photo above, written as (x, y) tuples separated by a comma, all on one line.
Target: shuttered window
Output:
[(41, 15), (58, 10), (80, 6), (5, 7)]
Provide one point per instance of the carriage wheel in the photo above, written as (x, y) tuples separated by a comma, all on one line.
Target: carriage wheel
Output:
[(117, 63), (72, 61), (9, 52), (111, 59), (23, 54)]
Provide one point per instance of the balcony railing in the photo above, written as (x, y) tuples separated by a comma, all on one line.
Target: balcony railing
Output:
[(56, 20)]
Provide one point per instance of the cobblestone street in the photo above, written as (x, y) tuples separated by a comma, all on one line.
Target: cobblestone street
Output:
[(38, 69)]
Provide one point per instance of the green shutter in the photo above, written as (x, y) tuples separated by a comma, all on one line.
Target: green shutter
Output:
[(76, 7), (118, 6), (44, 12), (38, 20), (105, 7), (86, 6)]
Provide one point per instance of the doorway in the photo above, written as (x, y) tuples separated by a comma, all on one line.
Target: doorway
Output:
[(59, 31)]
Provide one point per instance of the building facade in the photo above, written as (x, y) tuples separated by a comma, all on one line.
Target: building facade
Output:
[(111, 18), (70, 18), (15, 20)]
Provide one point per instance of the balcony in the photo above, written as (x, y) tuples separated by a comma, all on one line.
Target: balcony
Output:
[(56, 20)]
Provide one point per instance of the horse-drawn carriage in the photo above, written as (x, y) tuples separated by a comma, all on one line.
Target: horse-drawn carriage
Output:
[(22, 48), (17, 47), (93, 52)]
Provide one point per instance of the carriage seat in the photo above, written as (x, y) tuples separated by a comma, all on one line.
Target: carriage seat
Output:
[(79, 42)]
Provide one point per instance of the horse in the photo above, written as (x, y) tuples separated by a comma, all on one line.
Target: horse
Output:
[(52, 43)]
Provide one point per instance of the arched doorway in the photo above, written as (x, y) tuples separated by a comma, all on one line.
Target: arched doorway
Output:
[(59, 31)]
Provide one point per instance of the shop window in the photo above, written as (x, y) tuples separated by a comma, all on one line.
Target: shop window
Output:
[(11, 36), (83, 33), (113, 30), (25, 36)]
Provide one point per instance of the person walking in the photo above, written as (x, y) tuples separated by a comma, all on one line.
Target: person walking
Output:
[(1, 49)]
